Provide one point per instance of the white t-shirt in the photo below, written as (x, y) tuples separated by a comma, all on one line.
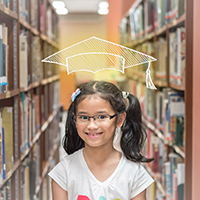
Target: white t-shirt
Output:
[(73, 175)]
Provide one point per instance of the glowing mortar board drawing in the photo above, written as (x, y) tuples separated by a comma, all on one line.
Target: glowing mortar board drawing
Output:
[(95, 54)]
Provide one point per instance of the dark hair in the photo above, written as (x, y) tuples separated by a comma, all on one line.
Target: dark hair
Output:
[(133, 134)]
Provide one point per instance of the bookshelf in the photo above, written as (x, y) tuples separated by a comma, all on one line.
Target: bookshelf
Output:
[(29, 98), (165, 30)]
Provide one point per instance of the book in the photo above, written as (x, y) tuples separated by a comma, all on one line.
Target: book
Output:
[(180, 35), (37, 71), (161, 64), (159, 118), (1, 57), (16, 121), (34, 14), (149, 104), (180, 180), (172, 54), (7, 124), (4, 57), (26, 121), (148, 19), (167, 181), (15, 58), (174, 160), (23, 59), (181, 7), (177, 115), (1, 150)]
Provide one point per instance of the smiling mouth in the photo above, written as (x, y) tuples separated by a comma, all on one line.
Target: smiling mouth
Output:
[(93, 135)]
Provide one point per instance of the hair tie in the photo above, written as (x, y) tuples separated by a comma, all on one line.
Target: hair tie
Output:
[(75, 94), (125, 94)]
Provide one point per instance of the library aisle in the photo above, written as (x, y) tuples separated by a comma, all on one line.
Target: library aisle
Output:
[(29, 99), (33, 94), (168, 31)]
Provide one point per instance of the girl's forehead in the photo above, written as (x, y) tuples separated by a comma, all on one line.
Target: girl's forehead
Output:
[(95, 102), (93, 98)]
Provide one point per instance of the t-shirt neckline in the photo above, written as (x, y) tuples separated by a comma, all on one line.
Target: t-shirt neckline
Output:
[(92, 175)]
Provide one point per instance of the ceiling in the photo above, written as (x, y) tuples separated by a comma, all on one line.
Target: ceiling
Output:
[(82, 6)]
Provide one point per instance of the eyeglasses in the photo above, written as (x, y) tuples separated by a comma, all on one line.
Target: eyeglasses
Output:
[(102, 118)]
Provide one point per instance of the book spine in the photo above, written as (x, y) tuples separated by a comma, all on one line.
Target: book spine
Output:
[(16, 127), (15, 59), (3, 155), (1, 152)]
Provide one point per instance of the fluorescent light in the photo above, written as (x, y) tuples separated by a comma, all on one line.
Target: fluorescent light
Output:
[(58, 4), (103, 11), (62, 11), (103, 4), (60, 7)]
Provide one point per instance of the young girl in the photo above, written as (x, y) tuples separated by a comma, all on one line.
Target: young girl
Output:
[(93, 168)]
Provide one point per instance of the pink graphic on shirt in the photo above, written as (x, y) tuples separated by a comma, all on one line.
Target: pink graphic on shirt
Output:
[(82, 197)]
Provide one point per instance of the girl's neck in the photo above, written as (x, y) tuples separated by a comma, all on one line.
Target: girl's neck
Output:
[(99, 155)]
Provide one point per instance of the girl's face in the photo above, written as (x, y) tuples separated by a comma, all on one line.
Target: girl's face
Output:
[(97, 134)]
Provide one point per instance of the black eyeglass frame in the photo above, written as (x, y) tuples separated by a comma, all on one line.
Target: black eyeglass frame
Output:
[(88, 117)]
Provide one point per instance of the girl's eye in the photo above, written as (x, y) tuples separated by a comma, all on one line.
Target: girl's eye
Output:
[(83, 117), (101, 117)]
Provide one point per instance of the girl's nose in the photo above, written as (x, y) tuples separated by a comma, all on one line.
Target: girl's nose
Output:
[(92, 124)]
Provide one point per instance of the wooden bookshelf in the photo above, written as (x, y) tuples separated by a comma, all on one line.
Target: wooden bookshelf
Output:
[(165, 86), (31, 97)]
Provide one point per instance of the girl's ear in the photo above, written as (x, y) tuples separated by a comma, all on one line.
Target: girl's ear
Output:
[(121, 119)]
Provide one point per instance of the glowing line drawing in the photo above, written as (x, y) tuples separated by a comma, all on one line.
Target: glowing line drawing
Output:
[(95, 54)]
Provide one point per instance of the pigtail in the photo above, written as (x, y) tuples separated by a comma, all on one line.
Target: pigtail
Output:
[(71, 141), (133, 134)]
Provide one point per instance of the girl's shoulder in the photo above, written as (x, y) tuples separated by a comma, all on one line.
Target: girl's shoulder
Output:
[(72, 157), (130, 165)]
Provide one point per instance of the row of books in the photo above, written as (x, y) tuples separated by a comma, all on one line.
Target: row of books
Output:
[(169, 114), (32, 116), (31, 165), (168, 171), (38, 71), (149, 16), (138, 72), (30, 119), (4, 55), (48, 21), (177, 56), (5, 192), (159, 50), (6, 3), (31, 51), (49, 69), (166, 11), (24, 10), (164, 108)]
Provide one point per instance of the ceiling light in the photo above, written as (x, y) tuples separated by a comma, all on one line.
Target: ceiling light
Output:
[(103, 11), (58, 4), (61, 11), (103, 4)]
